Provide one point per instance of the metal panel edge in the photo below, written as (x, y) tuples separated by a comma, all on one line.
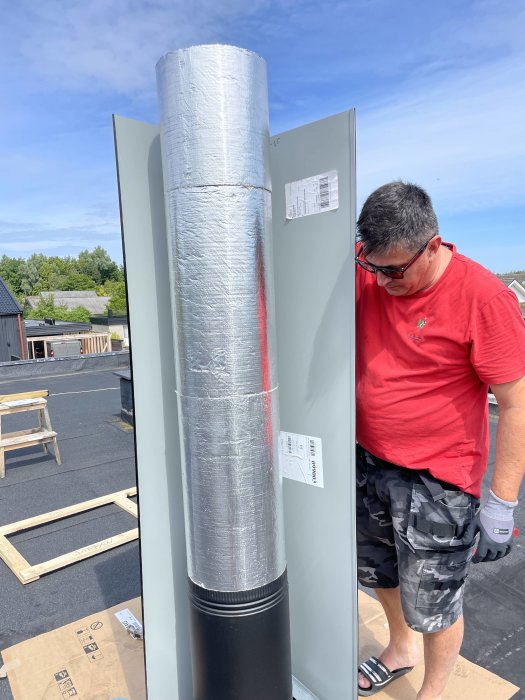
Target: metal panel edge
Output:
[(163, 553)]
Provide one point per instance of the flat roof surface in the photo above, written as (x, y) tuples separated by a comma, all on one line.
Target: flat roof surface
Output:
[(495, 602), (98, 458)]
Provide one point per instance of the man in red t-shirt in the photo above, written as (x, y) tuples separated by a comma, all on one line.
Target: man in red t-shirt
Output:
[(434, 329)]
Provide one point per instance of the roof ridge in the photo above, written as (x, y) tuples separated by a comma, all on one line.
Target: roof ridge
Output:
[(8, 302)]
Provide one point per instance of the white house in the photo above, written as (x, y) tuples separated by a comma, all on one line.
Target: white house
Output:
[(518, 290)]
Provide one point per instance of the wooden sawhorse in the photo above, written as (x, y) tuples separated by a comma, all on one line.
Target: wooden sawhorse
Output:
[(43, 434)]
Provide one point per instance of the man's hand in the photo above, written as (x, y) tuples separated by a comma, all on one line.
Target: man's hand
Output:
[(495, 523)]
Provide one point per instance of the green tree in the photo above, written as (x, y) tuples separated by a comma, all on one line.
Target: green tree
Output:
[(98, 265), (10, 272), (77, 281), (79, 314), (29, 278), (54, 270), (116, 291), (55, 282), (51, 273)]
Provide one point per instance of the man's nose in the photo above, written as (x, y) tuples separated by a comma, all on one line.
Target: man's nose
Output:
[(381, 279)]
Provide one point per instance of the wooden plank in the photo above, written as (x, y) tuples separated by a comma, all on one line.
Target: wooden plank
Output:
[(29, 443), (128, 506), (55, 448), (14, 560), (28, 431), (25, 405), (68, 336), (28, 574), (2, 455), (66, 512), (24, 395), (8, 447), (27, 440)]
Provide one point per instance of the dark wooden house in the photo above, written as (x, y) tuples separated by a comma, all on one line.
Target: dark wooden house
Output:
[(12, 331)]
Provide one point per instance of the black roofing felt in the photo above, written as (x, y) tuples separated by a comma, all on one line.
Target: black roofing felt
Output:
[(36, 329), (8, 304), (97, 458)]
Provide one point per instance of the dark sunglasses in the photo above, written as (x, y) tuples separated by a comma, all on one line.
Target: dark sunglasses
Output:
[(396, 273)]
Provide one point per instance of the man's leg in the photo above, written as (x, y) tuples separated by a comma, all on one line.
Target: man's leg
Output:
[(441, 652), (403, 648), (441, 648)]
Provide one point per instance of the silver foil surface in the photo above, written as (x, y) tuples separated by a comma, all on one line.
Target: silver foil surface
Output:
[(214, 132)]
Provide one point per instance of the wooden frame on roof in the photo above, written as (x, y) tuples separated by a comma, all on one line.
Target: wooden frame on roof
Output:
[(26, 573)]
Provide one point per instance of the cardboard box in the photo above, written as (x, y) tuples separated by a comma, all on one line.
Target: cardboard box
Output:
[(467, 681), (96, 659), (93, 659)]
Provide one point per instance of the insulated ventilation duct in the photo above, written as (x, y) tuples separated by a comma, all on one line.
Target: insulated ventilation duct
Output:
[(215, 140)]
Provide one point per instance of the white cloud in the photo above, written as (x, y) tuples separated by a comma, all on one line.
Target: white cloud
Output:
[(21, 248), (115, 44), (60, 233), (462, 138)]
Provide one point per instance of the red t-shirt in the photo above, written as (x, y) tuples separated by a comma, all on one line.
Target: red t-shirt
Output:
[(424, 363)]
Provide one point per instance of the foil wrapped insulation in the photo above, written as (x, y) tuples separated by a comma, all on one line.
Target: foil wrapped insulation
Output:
[(214, 103), (214, 135)]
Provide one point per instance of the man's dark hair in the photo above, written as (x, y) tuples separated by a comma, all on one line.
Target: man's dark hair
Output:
[(398, 214)]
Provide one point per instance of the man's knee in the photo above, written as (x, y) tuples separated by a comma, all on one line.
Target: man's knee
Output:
[(430, 622)]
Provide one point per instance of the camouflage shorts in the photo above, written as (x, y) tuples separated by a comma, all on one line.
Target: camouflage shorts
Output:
[(406, 538)]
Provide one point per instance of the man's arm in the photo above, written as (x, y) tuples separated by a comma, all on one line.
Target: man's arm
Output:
[(509, 466), (495, 521)]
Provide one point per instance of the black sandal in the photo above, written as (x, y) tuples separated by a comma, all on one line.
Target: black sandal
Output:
[(379, 676)]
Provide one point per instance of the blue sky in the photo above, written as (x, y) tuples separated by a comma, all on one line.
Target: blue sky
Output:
[(439, 89)]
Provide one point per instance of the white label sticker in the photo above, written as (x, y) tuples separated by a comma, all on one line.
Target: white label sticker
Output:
[(128, 620), (312, 195), (301, 458)]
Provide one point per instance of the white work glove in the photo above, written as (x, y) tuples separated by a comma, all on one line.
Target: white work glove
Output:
[(495, 524)]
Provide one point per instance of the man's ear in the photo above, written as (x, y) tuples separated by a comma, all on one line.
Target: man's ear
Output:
[(434, 245)]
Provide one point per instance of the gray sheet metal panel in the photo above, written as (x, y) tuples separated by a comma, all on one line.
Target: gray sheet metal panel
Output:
[(314, 291), (163, 551)]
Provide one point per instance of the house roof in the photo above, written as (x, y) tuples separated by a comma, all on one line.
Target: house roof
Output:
[(71, 300), (510, 277), (106, 320), (8, 304), (518, 290), (36, 328)]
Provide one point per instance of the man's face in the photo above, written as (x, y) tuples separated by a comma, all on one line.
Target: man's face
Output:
[(418, 277)]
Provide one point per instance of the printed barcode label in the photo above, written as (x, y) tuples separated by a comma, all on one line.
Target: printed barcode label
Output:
[(324, 193), (312, 195), (301, 458), (129, 621)]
